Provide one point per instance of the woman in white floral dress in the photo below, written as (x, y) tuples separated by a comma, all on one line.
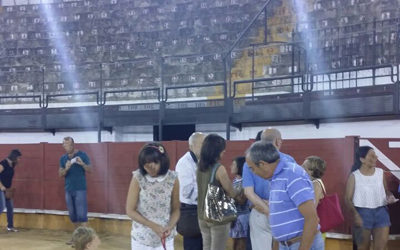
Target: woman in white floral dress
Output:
[(153, 201)]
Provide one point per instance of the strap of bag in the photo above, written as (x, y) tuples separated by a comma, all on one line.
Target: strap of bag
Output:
[(163, 239), (322, 185), (212, 178)]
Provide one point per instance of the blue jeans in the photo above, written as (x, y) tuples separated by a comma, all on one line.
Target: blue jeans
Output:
[(318, 244), (77, 205), (374, 217), (10, 209)]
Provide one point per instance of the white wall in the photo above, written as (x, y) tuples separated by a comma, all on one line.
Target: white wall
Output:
[(79, 137), (375, 129), (371, 129)]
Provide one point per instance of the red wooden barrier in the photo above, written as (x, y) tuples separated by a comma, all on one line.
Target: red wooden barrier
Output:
[(39, 187)]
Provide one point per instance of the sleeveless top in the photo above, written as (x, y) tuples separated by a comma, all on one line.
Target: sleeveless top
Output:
[(154, 204), (369, 191), (6, 176)]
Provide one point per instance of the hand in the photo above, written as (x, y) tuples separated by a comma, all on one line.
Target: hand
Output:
[(266, 210), (167, 232), (68, 165), (3, 188), (159, 230), (79, 161), (390, 199), (358, 222), (262, 210)]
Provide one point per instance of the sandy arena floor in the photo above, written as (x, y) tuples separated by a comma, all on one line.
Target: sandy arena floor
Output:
[(29, 239), (35, 239)]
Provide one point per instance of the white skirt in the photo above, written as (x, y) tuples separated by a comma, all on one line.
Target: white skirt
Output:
[(137, 246)]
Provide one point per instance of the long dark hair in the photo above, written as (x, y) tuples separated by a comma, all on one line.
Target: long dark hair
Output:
[(240, 160), (361, 153), (212, 147)]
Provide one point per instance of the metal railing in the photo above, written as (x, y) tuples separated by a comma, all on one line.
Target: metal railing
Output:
[(321, 81)]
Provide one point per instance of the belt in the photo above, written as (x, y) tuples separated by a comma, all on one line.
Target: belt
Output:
[(184, 205), (290, 242)]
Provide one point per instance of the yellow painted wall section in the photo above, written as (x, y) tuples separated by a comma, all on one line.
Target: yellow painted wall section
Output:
[(280, 26)]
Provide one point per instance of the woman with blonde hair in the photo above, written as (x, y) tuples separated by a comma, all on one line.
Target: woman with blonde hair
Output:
[(315, 167), (85, 238)]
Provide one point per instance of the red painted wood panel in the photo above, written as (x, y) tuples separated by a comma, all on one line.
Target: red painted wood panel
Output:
[(28, 175), (54, 195), (181, 148), (97, 178), (29, 193), (38, 184), (122, 160)]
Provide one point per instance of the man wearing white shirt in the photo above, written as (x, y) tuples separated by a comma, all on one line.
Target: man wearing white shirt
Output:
[(186, 169)]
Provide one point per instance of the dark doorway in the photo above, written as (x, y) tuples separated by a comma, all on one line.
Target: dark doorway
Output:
[(174, 132)]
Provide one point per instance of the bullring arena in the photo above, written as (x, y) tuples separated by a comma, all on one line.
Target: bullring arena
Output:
[(115, 74)]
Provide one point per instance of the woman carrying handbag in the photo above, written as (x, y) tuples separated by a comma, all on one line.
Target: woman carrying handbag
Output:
[(328, 206), (215, 234)]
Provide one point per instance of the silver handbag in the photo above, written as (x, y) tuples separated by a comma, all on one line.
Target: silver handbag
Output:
[(218, 207)]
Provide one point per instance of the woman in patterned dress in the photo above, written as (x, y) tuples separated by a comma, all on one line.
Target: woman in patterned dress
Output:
[(153, 201)]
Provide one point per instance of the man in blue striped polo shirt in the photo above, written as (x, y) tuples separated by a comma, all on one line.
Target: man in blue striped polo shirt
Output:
[(293, 216), (256, 190)]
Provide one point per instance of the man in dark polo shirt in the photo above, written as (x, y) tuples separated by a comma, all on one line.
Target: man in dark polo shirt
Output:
[(73, 166), (7, 168)]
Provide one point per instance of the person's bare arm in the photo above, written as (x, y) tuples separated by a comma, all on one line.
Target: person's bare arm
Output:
[(259, 204), (85, 166), (131, 209), (175, 208), (318, 192), (387, 191), (307, 209), (223, 178), (63, 171), (349, 193)]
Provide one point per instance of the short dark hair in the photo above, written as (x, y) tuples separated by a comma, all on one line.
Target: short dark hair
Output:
[(212, 147), (262, 151), (69, 138), (153, 152), (14, 154), (240, 160)]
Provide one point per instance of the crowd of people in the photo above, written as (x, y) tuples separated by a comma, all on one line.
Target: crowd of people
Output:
[(276, 199)]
